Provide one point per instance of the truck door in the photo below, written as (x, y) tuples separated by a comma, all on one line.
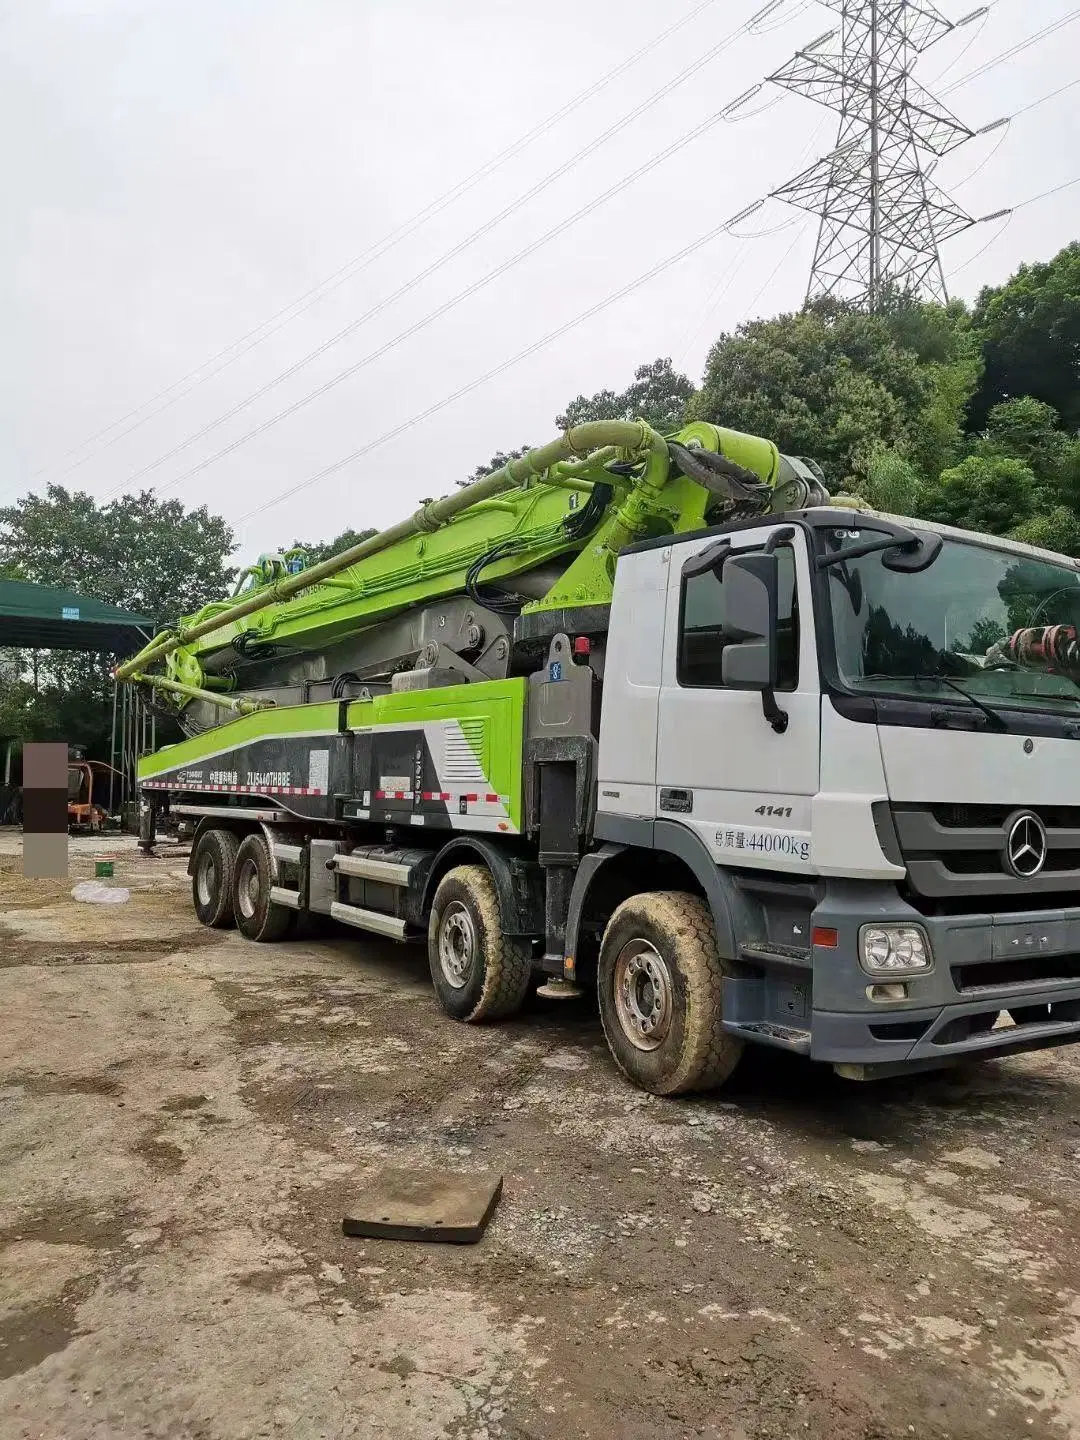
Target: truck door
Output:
[(722, 768)]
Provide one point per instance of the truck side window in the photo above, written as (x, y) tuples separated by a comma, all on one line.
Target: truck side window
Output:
[(701, 627)]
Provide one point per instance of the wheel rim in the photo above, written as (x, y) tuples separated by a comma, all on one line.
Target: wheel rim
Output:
[(247, 889), (457, 945), (204, 879), (643, 995)]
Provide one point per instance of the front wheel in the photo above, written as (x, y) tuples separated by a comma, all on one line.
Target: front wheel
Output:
[(257, 916), (478, 972), (660, 980)]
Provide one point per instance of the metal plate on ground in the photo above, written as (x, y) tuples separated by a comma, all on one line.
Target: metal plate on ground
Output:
[(424, 1205)]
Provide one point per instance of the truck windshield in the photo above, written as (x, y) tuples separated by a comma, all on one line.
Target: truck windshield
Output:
[(948, 627)]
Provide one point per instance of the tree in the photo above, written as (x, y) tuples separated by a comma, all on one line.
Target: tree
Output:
[(658, 393), (993, 494), (497, 461), (1027, 429), (1030, 334), (843, 386), (140, 553), (1057, 529), (317, 553)]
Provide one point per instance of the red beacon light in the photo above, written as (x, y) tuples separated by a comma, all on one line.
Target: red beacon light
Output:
[(582, 646)]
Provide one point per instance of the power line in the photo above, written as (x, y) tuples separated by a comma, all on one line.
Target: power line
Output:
[(1044, 98), (776, 269), (1004, 126), (1007, 216), (429, 270), (1045, 194), (491, 374), (532, 349), (1012, 50), (727, 278), (534, 245), (982, 16), (1006, 222), (254, 337)]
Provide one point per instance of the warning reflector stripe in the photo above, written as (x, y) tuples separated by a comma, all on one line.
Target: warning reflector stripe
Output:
[(232, 789), (435, 796)]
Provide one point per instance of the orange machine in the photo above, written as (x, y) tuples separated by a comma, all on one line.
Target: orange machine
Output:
[(84, 812)]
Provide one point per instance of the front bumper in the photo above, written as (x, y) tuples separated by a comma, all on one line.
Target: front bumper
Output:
[(1001, 983)]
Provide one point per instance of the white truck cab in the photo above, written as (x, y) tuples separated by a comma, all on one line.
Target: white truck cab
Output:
[(815, 713)]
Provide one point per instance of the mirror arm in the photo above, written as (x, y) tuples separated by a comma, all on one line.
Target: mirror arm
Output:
[(776, 717), (779, 537)]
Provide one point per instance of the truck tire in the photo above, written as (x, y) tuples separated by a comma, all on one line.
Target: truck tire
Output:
[(212, 871), (660, 979), (478, 972), (257, 917)]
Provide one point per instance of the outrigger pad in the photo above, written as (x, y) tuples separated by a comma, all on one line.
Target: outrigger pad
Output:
[(425, 1205)]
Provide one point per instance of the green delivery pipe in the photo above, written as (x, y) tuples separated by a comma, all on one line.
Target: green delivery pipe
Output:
[(633, 437), (192, 692)]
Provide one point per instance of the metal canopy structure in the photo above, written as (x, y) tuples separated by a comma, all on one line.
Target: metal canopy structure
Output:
[(43, 617)]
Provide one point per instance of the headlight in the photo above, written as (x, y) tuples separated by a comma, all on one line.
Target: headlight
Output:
[(894, 950)]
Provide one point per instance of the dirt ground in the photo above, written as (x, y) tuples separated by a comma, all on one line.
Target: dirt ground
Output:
[(184, 1116)]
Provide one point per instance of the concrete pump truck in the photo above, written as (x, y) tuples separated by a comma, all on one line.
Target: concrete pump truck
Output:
[(652, 713)]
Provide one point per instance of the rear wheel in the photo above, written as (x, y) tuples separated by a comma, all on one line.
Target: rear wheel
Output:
[(257, 916), (478, 972), (213, 867), (660, 979)]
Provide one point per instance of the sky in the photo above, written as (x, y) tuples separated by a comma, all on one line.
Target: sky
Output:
[(177, 174)]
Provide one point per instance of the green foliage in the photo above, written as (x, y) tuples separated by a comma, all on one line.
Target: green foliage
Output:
[(658, 393), (1030, 334), (137, 552), (497, 461), (1056, 529), (892, 484), (989, 493), (841, 385), (320, 551), (140, 553)]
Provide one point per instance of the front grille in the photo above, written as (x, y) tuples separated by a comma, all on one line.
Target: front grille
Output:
[(1026, 971), (974, 862), (966, 817), (1010, 1028), (958, 851)]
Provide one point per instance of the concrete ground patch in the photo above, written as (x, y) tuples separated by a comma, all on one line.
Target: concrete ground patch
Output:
[(185, 1118)]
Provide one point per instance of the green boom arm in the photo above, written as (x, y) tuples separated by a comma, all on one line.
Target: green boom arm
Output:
[(520, 516)]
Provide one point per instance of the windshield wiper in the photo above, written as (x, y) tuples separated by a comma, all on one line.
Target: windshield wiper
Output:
[(1041, 695), (988, 710)]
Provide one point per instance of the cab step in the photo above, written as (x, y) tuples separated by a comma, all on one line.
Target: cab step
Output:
[(781, 1037)]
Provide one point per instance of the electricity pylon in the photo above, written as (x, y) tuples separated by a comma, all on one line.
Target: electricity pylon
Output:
[(881, 217)]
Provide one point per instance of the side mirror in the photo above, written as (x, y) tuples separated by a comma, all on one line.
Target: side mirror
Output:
[(750, 660)]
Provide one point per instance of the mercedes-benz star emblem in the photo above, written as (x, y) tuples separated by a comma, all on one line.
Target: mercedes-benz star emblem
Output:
[(1025, 845)]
